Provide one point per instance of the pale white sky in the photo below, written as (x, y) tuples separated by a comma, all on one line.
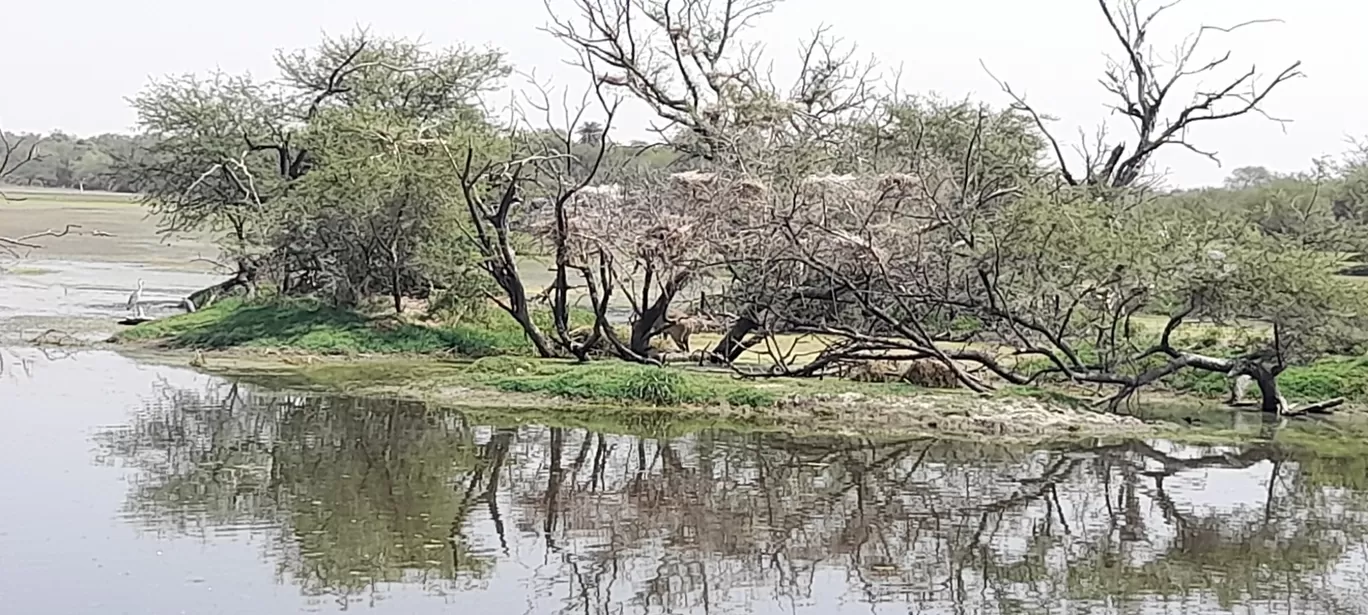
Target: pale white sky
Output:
[(70, 64)]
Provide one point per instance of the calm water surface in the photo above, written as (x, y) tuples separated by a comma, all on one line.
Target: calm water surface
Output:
[(127, 488)]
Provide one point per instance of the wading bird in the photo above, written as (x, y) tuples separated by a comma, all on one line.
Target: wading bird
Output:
[(135, 300)]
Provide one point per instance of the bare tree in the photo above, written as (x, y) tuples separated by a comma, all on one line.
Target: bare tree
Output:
[(1146, 88), (688, 61), (542, 172), (15, 154), (651, 237)]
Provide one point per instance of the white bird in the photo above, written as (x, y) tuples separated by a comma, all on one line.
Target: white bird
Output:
[(135, 300)]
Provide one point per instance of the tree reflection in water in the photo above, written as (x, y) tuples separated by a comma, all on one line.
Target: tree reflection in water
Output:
[(364, 495)]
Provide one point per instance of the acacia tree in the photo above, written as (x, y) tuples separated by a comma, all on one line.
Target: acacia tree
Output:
[(230, 150), (649, 238), (993, 269), (16, 152), (1070, 283), (374, 215), (991, 274), (204, 172)]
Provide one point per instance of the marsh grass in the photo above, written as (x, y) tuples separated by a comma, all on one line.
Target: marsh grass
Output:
[(312, 326), (619, 383)]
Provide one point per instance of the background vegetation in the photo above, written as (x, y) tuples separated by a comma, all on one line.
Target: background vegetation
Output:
[(888, 225)]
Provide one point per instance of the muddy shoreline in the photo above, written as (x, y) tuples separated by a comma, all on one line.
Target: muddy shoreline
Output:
[(442, 383)]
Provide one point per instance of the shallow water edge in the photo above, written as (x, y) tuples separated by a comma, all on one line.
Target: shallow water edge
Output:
[(951, 414)]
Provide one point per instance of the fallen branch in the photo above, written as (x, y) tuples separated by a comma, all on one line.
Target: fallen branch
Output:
[(1322, 408), (23, 241)]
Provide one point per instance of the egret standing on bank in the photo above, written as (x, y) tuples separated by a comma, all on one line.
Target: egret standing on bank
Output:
[(135, 300)]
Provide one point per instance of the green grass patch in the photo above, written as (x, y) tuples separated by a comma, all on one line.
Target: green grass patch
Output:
[(1328, 378), (621, 383), (313, 326), (1324, 379), (627, 383)]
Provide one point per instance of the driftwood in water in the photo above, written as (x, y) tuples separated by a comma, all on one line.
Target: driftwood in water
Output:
[(1321, 408)]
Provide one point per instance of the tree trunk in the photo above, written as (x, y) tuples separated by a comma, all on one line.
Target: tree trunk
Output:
[(534, 334), (648, 323), (245, 278), (396, 288), (652, 318), (730, 347), (505, 274), (1272, 401)]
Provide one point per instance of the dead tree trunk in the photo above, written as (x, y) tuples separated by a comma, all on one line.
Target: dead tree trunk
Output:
[(650, 321), (736, 341), (1271, 399), (245, 278), (492, 234), (733, 343)]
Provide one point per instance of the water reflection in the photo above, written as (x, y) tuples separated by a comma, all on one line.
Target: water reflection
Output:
[(393, 506)]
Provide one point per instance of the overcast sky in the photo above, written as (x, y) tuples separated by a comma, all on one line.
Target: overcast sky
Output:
[(70, 64)]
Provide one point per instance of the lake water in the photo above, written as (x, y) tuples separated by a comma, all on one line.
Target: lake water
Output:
[(128, 488)]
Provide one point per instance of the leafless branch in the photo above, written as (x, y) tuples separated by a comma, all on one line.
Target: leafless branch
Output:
[(1143, 87)]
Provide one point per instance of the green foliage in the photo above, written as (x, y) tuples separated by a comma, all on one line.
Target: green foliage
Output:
[(634, 384), (333, 176), (202, 170), (928, 130), (394, 75), (1326, 379), (377, 210), (317, 327), (1317, 381), (1324, 208), (1216, 267), (1248, 177), (1205, 384)]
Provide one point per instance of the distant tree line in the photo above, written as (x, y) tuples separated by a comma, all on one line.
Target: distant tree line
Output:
[(1325, 206), (105, 162), (78, 163)]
